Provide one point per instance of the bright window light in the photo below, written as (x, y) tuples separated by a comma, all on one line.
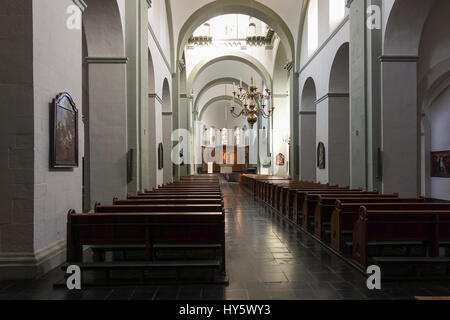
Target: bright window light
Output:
[(313, 26), (337, 12)]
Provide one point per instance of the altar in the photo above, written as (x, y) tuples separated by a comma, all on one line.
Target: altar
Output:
[(230, 160)]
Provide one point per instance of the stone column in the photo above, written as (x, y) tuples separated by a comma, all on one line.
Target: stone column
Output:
[(400, 133), (107, 128), (17, 134), (136, 29), (155, 125), (373, 76), (338, 140), (167, 143), (358, 133), (307, 149), (294, 164)]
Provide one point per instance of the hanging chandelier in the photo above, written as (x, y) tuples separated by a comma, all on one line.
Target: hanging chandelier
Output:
[(253, 103)]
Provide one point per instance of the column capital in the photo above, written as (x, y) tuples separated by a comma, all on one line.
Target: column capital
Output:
[(404, 58), (106, 60), (156, 97)]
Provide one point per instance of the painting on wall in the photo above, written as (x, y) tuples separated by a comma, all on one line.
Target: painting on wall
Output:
[(440, 164), (321, 156), (64, 133), (280, 159), (160, 156)]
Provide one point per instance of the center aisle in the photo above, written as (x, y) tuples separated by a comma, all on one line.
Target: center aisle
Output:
[(269, 258)]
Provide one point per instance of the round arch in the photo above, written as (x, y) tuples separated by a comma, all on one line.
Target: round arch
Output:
[(214, 83), (249, 7), (340, 72), (309, 95), (237, 56), (104, 60), (214, 100), (307, 126), (103, 27), (166, 97), (404, 27), (151, 73), (301, 26)]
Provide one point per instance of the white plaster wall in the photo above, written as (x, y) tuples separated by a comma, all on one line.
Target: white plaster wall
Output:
[(322, 135), (121, 4), (319, 68), (226, 69), (166, 137), (197, 54), (324, 30), (155, 137), (307, 123), (160, 68), (386, 11), (57, 68), (281, 131), (157, 17), (157, 129), (339, 141), (288, 10), (440, 141), (217, 115)]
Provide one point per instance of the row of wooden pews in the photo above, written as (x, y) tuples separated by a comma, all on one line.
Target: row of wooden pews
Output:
[(171, 227), (365, 227)]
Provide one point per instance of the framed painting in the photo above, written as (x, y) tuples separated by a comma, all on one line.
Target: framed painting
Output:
[(440, 164), (160, 156), (64, 133), (321, 156), (280, 160)]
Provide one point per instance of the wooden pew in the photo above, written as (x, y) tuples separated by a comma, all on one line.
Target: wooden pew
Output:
[(159, 208), (182, 192), (427, 226), (307, 213), (323, 205), (286, 195), (174, 196), (148, 229), (346, 213), (141, 201)]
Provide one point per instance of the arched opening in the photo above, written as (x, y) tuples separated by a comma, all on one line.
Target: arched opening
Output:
[(279, 36), (434, 100), (167, 131), (339, 119), (249, 7), (105, 104), (149, 147), (155, 126), (281, 116), (413, 30), (253, 63), (307, 124)]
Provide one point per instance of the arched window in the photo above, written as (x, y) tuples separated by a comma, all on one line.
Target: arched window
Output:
[(237, 136), (313, 26), (224, 136), (212, 135), (252, 29), (337, 12)]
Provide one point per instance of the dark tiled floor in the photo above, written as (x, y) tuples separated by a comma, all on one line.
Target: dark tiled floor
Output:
[(268, 258)]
